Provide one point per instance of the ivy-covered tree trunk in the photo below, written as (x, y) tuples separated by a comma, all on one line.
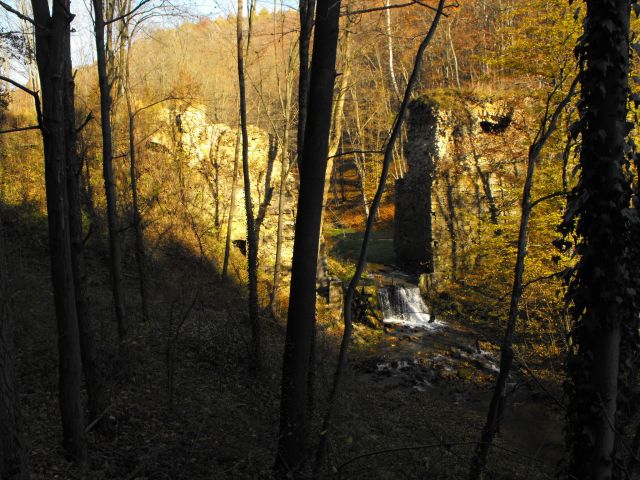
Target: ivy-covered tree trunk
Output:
[(255, 348), (601, 301)]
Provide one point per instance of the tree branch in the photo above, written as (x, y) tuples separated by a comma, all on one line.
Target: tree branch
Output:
[(86, 121), (129, 13), (400, 5), (34, 94), (357, 152), (20, 129), (547, 197), (21, 16)]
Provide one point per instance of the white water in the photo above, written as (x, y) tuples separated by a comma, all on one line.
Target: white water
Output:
[(403, 305)]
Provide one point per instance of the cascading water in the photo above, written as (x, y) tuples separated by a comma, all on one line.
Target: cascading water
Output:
[(403, 305)]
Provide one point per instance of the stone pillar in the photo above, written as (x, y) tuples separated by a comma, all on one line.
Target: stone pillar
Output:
[(412, 236)]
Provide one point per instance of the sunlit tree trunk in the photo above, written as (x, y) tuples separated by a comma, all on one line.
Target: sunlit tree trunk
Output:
[(232, 206)]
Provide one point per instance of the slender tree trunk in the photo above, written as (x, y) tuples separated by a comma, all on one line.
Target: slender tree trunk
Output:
[(94, 381), (141, 255), (361, 165), (302, 298), (601, 293), (107, 171), (392, 73), (284, 173), (499, 398), (50, 57), (456, 70), (14, 463), (255, 354), (232, 206), (348, 306)]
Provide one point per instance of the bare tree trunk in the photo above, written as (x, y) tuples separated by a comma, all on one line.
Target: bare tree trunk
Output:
[(294, 425), (360, 159), (14, 463), (232, 206), (456, 70), (498, 400), (307, 17), (50, 57), (140, 252), (107, 171), (392, 73), (255, 354), (94, 380), (362, 260), (284, 173)]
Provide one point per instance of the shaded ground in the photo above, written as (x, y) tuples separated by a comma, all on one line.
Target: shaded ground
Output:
[(219, 422)]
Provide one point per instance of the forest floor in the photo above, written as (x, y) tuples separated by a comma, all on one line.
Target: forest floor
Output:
[(412, 401)]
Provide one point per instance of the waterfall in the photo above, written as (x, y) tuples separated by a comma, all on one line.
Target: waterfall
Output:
[(403, 305)]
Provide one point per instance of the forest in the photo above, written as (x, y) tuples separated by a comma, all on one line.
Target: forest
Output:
[(319, 239)]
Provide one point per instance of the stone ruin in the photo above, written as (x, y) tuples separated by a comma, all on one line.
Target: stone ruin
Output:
[(207, 150), (446, 131)]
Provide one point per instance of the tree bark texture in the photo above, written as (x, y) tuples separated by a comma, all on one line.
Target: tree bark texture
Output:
[(52, 67), (94, 380), (107, 172), (302, 297)]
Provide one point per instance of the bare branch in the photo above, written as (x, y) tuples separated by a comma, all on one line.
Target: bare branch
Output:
[(129, 13), (36, 97), (20, 129), (357, 152), (547, 197), (21, 16), (401, 5), (86, 121)]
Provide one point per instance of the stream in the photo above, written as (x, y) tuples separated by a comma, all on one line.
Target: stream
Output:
[(444, 357)]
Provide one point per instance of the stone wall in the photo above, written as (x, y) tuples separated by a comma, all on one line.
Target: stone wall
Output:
[(207, 150), (467, 146)]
